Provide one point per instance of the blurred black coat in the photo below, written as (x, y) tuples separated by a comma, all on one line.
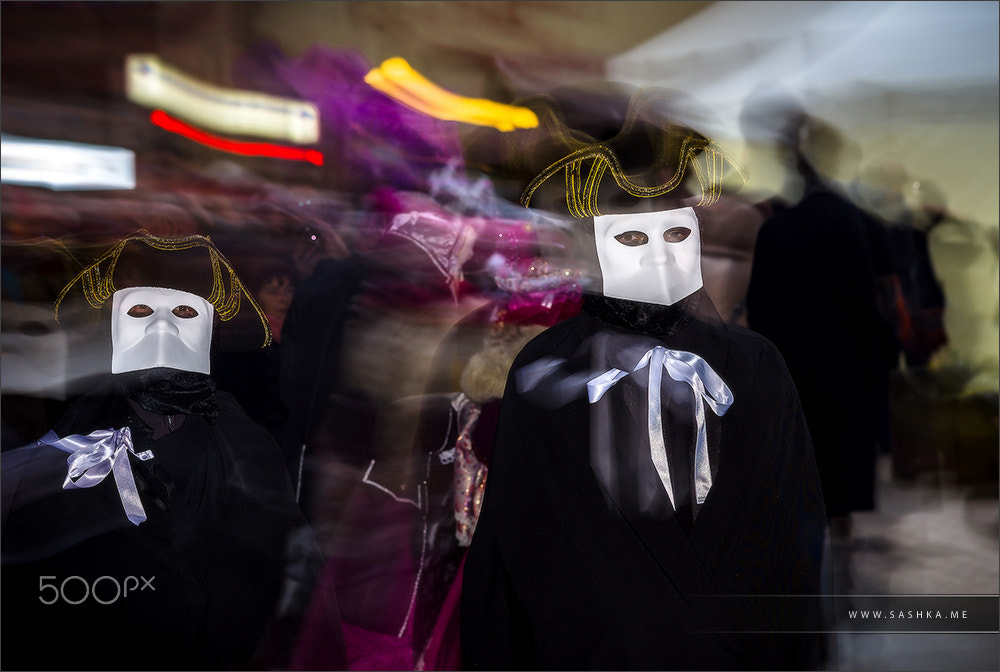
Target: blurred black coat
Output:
[(813, 293), (309, 373), (579, 561), (224, 562)]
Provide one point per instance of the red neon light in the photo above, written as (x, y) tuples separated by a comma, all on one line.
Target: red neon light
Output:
[(168, 123)]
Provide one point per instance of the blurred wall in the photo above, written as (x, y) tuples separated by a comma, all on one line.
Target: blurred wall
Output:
[(461, 45)]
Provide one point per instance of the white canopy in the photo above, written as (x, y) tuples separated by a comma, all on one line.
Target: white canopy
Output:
[(853, 62)]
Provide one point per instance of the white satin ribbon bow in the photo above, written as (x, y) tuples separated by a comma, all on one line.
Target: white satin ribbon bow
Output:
[(94, 456), (708, 388)]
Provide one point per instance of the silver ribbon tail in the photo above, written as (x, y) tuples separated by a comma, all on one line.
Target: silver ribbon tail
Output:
[(708, 387), (93, 457)]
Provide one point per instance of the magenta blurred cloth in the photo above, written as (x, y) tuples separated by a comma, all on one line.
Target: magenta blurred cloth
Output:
[(372, 138), (444, 648)]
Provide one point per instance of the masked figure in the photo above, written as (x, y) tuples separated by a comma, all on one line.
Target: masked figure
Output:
[(652, 500), (155, 526)]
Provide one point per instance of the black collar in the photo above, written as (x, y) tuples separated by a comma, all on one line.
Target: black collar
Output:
[(652, 319)]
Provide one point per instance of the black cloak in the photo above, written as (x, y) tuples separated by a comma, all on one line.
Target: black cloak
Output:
[(222, 567), (812, 293), (579, 561)]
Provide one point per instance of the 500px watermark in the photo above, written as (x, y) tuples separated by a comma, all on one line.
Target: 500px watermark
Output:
[(103, 590)]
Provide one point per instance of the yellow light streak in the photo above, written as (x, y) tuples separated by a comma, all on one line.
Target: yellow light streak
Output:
[(397, 79)]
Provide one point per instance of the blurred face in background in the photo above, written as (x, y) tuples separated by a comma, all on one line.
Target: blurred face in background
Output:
[(275, 297)]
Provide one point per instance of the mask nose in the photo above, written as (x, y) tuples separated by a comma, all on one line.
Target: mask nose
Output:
[(161, 325), (660, 253)]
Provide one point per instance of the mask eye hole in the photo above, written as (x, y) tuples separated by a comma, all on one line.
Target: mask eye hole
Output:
[(185, 312), (140, 310), (632, 238), (676, 234)]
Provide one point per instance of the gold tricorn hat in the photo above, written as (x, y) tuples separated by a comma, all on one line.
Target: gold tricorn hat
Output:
[(191, 263), (639, 136)]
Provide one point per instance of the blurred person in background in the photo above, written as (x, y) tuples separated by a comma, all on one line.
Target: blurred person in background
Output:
[(45, 364), (521, 267), (313, 342), (275, 296), (253, 376), (820, 267), (362, 331), (882, 189), (964, 256)]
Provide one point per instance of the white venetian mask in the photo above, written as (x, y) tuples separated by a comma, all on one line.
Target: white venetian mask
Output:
[(154, 326), (653, 257)]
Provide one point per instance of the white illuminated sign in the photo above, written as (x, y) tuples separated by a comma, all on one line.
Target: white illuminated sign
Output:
[(63, 165)]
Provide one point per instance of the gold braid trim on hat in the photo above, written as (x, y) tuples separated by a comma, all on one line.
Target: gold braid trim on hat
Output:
[(707, 158), (98, 286)]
